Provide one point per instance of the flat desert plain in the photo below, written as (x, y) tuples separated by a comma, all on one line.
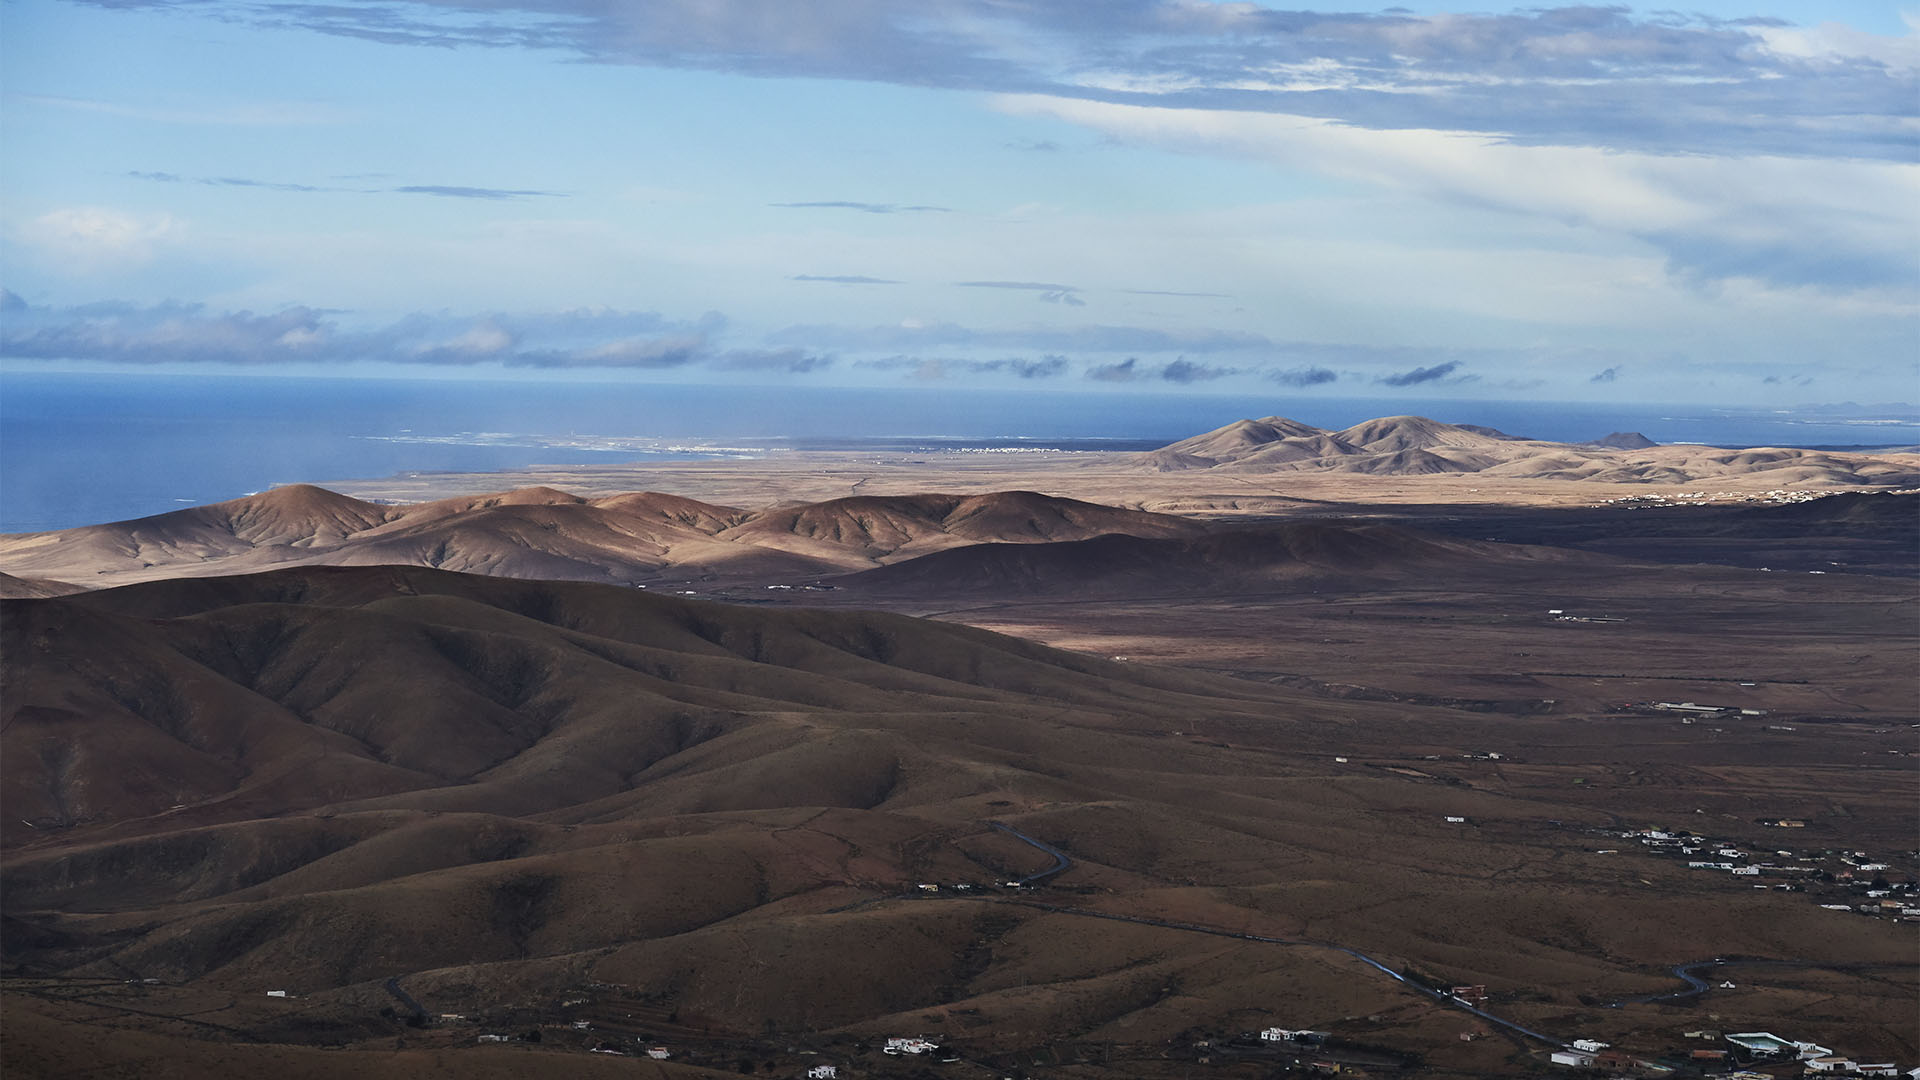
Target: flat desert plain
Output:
[(1070, 765)]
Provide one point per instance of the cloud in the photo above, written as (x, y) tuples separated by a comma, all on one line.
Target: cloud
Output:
[(1038, 146), (90, 238), (1049, 293), (1786, 219), (450, 191), (845, 279), (1186, 371), (922, 338), (924, 368), (1606, 375), (1169, 292), (176, 333), (863, 207), (796, 361), (1415, 377), (1303, 376), (1120, 371), (225, 181), (1588, 76)]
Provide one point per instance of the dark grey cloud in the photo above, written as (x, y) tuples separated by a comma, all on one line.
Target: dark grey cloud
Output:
[(1127, 370), (845, 279), (1606, 375), (931, 368), (1186, 371), (1420, 375), (1046, 367), (863, 207), (450, 191), (1591, 76), (1303, 376)]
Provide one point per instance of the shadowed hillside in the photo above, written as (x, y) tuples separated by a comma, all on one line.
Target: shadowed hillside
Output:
[(745, 830), (1325, 553)]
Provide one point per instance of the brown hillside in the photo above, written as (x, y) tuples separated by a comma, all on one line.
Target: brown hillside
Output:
[(1326, 553), (17, 588), (544, 804), (547, 534)]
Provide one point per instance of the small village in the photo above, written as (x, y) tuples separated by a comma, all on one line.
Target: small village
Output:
[(1838, 880), (1775, 497)]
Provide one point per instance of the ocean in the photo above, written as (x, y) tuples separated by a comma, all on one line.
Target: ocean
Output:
[(82, 449)]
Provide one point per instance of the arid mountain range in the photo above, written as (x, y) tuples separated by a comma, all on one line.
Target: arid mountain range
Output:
[(548, 534), (1417, 446), (660, 539)]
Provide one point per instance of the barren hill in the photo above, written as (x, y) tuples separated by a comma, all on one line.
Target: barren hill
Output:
[(1417, 446), (548, 534), (619, 819), (1330, 553)]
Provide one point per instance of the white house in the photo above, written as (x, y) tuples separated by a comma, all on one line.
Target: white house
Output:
[(1829, 1065), (823, 1072), (1591, 1046), (1572, 1058)]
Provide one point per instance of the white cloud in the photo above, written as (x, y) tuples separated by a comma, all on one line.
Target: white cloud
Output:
[(1840, 223), (1838, 42), (90, 239)]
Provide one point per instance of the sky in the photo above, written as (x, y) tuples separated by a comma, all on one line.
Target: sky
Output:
[(1611, 203)]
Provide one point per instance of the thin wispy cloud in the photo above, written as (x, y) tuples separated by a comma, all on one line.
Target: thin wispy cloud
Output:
[(1048, 292), (845, 279), (248, 114), (450, 191), (1066, 340), (863, 207)]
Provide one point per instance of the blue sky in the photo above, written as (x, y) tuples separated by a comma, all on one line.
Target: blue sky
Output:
[(1613, 203)]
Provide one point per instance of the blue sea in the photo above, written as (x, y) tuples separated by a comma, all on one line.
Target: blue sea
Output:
[(82, 449)]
